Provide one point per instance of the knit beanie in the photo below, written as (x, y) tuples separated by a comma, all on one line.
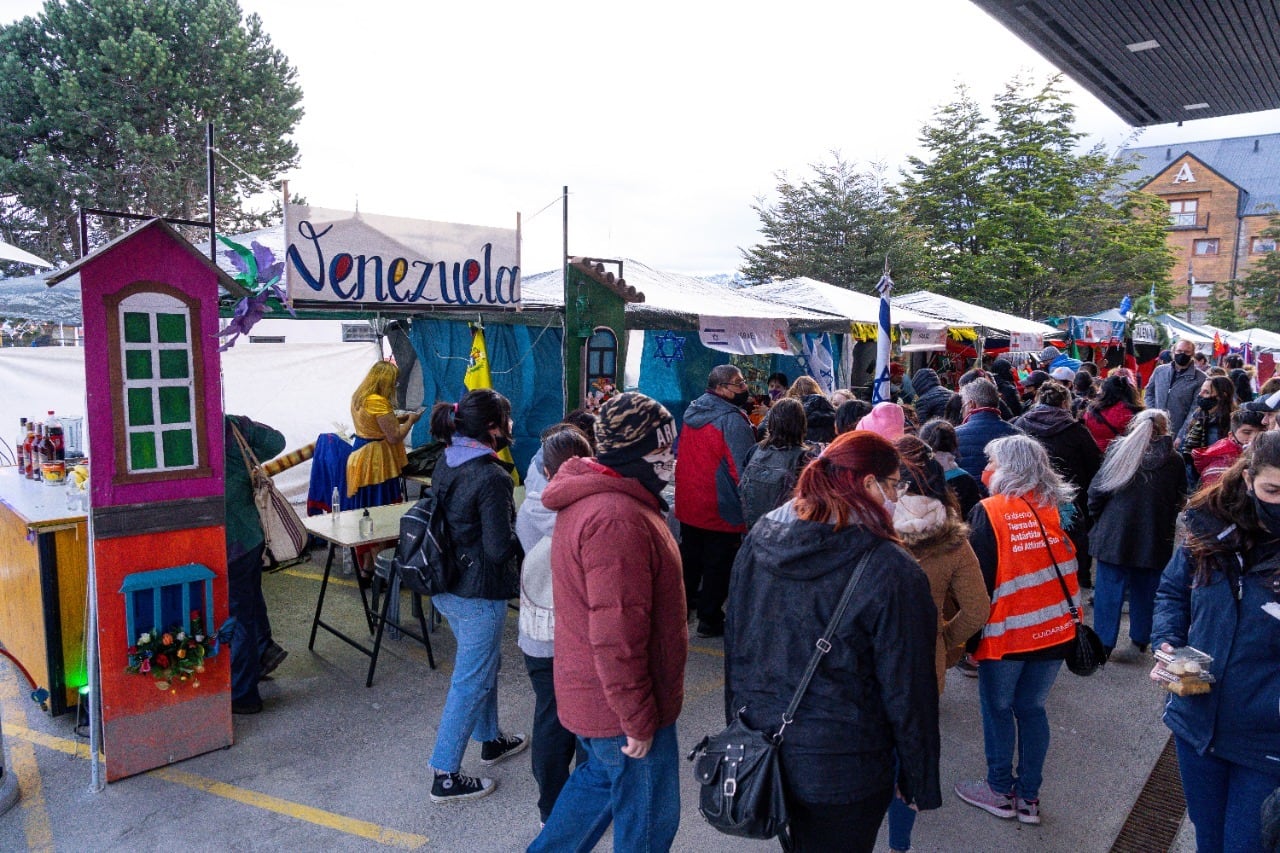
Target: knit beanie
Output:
[(632, 425), (1048, 354), (885, 420), (917, 515)]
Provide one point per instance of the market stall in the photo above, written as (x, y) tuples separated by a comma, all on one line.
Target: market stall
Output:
[(996, 331)]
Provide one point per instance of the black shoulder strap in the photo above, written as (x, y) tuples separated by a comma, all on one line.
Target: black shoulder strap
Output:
[(823, 644), (1066, 593)]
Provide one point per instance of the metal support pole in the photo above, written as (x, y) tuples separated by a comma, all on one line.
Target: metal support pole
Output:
[(213, 229)]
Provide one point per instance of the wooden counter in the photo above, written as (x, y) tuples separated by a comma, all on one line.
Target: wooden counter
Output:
[(43, 577)]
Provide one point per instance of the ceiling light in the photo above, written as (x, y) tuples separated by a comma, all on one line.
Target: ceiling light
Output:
[(1139, 46), (1200, 106)]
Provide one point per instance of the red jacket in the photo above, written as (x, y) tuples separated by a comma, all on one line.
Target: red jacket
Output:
[(1213, 461), (621, 635), (1110, 426), (710, 456)]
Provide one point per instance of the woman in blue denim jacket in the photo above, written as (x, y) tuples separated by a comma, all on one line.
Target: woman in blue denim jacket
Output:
[(1218, 594)]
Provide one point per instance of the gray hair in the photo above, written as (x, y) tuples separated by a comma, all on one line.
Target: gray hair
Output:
[(1124, 455), (721, 374), (1023, 470), (980, 394)]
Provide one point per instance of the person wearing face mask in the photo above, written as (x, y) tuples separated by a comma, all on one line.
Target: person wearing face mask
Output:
[(1018, 537), (1219, 594), (1173, 387), (714, 442), (778, 384), (1134, 502), (621, 638), (838, 777), (473, 488), (1211, 419)]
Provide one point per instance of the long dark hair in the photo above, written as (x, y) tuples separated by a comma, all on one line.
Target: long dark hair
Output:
[(785, 424), (830, 487), (1230, 502), (1115, 389), (473, 416), (1224, 395)]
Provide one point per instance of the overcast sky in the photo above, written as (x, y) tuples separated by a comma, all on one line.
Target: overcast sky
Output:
[(665, 119)]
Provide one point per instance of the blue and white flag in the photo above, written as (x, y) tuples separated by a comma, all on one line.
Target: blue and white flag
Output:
[(880, 392), (818, 360)]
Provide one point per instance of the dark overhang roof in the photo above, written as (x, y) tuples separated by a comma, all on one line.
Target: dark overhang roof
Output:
[(1210, 59)]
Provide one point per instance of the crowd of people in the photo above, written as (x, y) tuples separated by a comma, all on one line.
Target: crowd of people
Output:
[(989, 510)]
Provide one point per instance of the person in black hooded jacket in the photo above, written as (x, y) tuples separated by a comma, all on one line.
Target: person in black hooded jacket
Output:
[(1007, 385), (875, 694), (932, 399), (1074, 455)]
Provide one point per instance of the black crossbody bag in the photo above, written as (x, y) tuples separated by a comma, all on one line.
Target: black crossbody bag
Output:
[(1087, 654), (739, 771)]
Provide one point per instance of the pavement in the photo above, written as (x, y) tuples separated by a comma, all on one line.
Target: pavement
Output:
[(332, 765)]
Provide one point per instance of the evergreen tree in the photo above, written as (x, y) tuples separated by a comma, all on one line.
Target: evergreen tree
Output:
[(103, 103), (1261, 286), (1223, 312), (1022, 221), (837, 227)]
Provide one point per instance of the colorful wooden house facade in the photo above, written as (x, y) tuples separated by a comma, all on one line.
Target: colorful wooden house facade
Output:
[(155, 428)]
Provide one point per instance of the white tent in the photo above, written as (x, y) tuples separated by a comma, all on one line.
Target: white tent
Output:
[(1261, 339), (989, 321), (831, 299), (1181, 329)]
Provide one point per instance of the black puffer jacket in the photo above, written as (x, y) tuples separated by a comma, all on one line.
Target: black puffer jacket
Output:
[(481, 515), (1072, 450), (932, 399), (1134, 525), (1007, 385), (875, 691)]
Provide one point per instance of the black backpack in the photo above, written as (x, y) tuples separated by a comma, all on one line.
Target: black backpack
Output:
[(424, 555), (768, 481)]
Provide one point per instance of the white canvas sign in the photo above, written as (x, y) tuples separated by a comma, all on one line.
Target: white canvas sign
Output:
[(744, 336), (924, 338), (341, 257), (1026, 342)]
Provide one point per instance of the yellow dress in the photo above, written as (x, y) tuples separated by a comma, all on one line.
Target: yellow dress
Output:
[(379, 460)]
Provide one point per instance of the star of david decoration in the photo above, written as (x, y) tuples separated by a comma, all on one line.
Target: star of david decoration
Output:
[(668, 348)]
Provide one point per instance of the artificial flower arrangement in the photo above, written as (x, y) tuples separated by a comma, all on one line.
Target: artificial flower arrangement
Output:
[(174, 655), (600, 390)]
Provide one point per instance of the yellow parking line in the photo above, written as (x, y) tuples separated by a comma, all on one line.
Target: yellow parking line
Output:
[(351, 826), (311, 576), (23, 765), (31, 795)]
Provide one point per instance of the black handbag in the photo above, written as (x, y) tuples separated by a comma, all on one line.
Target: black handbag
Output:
[(1087, 654), (738, 770)]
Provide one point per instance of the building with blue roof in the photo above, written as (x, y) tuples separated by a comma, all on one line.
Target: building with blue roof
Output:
[(1222, 193)]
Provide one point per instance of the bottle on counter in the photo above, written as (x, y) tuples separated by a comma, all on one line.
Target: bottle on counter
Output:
[(366, 525), (20, 453), (53, 432), (335, 505), (37, 452), (29, 450)]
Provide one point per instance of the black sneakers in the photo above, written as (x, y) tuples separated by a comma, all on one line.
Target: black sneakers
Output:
[(454, 787), (271, 658), (502, 747)]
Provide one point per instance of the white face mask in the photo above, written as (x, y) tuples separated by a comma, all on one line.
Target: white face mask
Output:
[(890, 506), (663, 461)]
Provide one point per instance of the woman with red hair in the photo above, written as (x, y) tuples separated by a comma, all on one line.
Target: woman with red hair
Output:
[(875, 692)]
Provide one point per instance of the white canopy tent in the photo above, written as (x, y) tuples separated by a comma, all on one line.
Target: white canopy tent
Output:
[(1261, 339), (855, 307), (989, 321)]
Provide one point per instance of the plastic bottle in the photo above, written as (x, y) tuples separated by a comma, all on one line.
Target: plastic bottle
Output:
[(335, 505), (366, 525), (53, 432), (37, 454)]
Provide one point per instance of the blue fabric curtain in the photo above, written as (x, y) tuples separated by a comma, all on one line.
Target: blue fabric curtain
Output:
[(526, 363)]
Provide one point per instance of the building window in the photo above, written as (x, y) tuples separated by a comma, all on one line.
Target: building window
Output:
[(1182, 213), (1207, 247), (1262, 245), (602, 356)]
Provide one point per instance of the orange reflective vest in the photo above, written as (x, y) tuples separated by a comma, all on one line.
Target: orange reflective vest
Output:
[(1028, 609)]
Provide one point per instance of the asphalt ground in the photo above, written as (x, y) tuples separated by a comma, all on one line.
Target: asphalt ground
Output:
[(331, 765)]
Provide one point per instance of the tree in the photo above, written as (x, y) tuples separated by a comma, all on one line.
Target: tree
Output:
[(1223, 311), (1261, 287), (103, 103), (1019, 219), (837, 226)]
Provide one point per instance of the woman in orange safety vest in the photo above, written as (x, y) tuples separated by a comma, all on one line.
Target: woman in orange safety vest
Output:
[(1026, 558)]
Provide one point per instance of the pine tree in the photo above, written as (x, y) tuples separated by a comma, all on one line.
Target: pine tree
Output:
[(103, 103), (1261, 287), (837, 226)]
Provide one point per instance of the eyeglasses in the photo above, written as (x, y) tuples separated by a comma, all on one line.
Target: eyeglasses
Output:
[(740, 383), (899, 486)]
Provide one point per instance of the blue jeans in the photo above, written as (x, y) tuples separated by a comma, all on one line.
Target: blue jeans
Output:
[(640, 796), (1224, 801), (1012, 695), (246, 604), (1109, 585), (471, 708)]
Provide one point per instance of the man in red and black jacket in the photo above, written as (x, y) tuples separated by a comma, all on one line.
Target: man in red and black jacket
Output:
[(712, 450)]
